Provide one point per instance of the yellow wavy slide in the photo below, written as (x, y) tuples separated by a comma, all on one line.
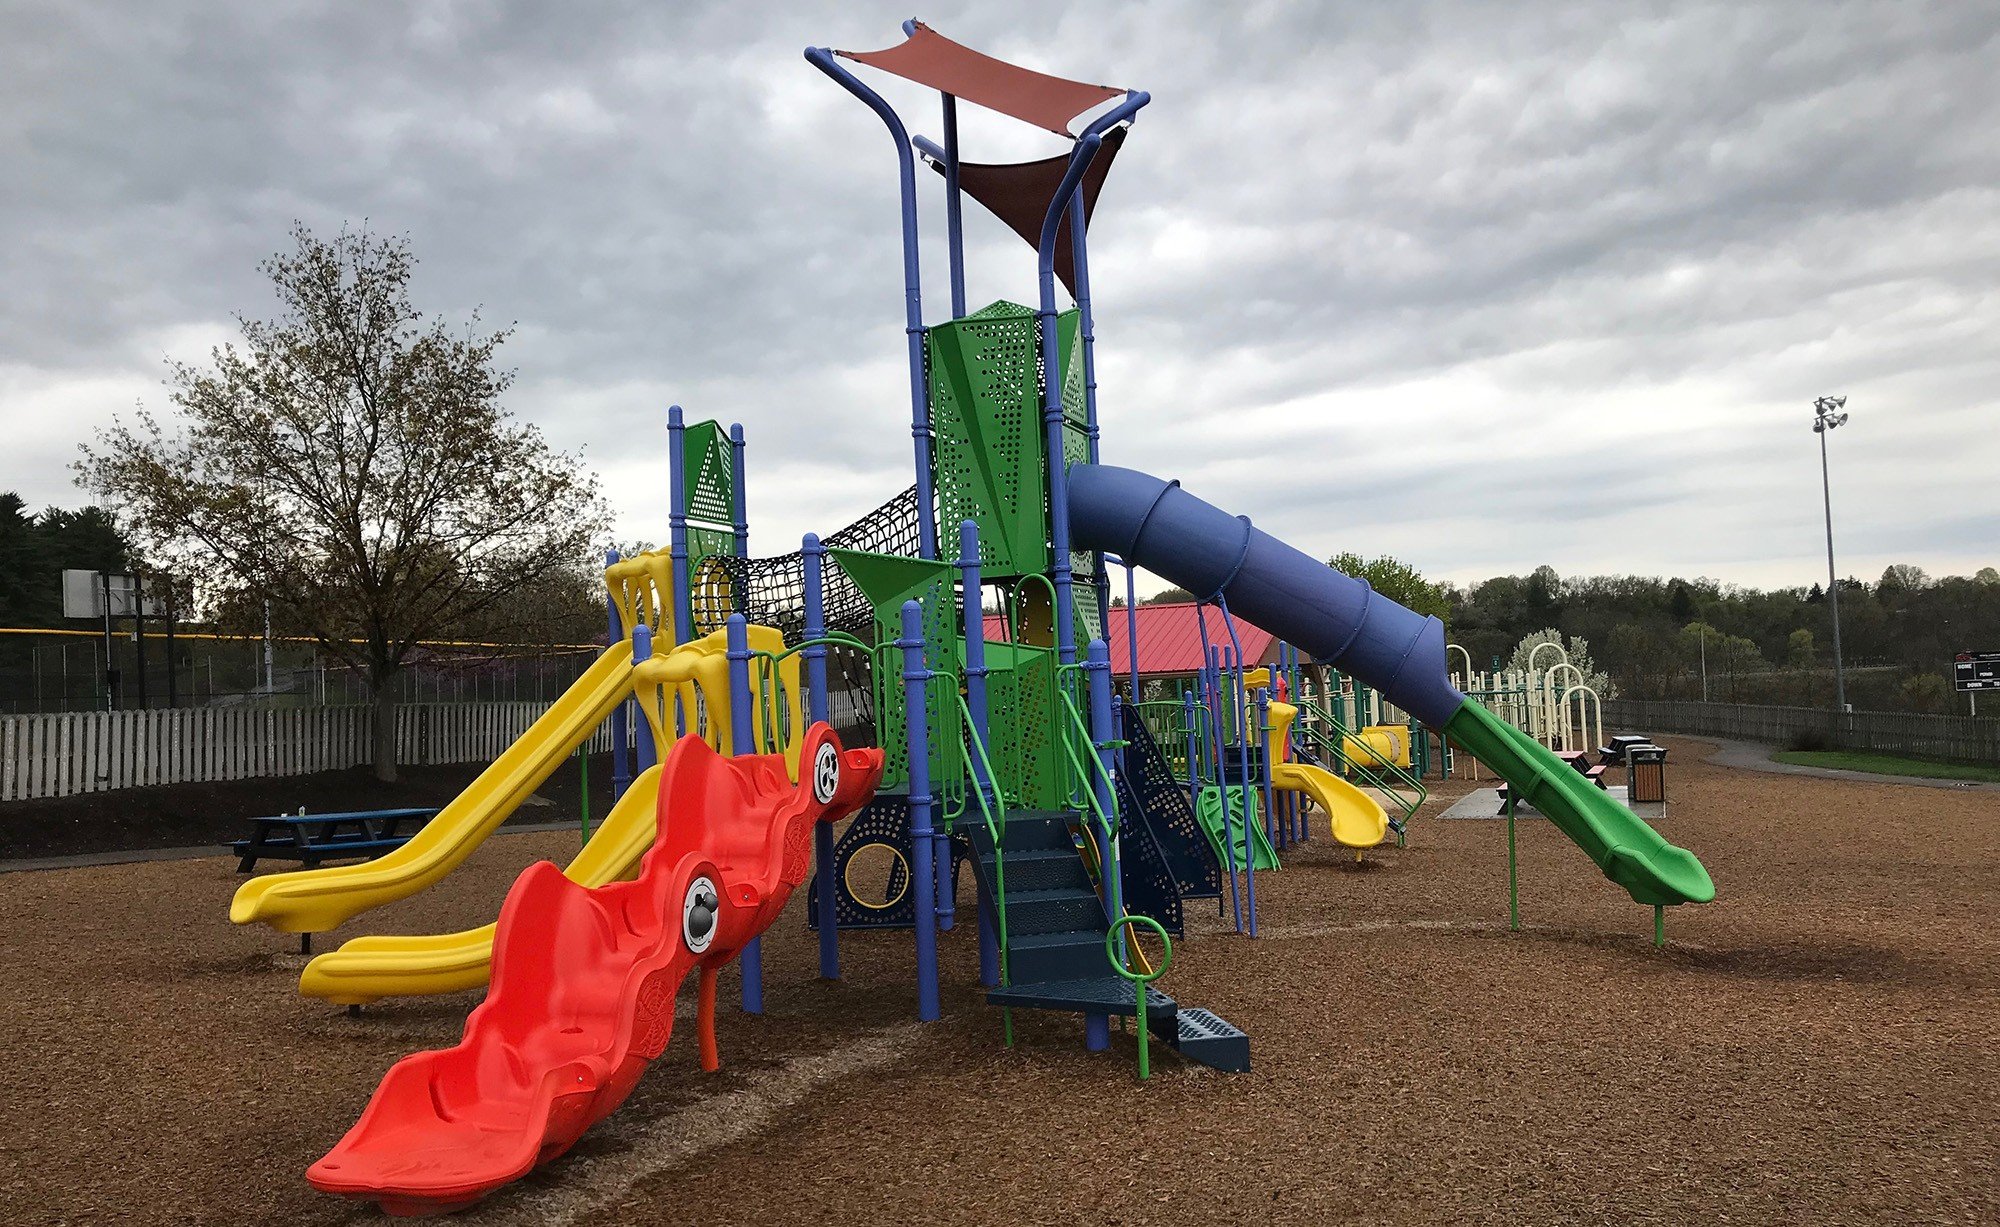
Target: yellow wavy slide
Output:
[(314, 900), (369, 968), (1357, 819)]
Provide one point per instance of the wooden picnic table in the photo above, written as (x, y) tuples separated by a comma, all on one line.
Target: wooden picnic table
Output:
[(313, 838)]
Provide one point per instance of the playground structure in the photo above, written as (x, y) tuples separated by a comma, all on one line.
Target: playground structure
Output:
[(1085, 815), (1550, 700)]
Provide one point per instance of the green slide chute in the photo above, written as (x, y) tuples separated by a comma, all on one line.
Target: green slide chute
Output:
[(1208, 809), (1629, 852)]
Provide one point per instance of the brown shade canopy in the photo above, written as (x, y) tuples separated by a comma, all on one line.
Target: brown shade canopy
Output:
[(1019, 193), (929, 58)]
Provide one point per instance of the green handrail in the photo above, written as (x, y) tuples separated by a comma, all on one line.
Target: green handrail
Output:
[(1338, 749), (1113, 947)]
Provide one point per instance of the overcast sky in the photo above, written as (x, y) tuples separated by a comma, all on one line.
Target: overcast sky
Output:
[(1481, 285)]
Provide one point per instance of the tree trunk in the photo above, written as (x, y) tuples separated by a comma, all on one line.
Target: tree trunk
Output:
[(383, 694)]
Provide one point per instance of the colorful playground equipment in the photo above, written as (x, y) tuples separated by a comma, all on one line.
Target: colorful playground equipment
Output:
[(1086, 816)]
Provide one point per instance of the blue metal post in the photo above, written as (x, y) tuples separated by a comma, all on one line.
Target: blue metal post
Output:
[(621, 715), (1103, 735), (644, 756), (737, 635), (825, 870), (677, 525), (1237, 702), (923, 879), (953, 214), (1052, 407), (1272, 828), (970, 589), (1087, 338), (738, 495), (1132, 627), (913, 308), (1212, 685)]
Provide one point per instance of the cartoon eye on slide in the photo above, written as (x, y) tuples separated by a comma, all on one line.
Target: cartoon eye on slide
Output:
[(698, 914), (826, 772)]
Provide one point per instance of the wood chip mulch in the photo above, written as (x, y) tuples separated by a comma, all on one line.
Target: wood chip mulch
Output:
[(1817, 1046)]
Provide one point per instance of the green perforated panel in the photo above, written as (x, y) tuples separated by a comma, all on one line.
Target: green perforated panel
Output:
[(1021, 720), (707, 470), (888, 581), (985, 384)]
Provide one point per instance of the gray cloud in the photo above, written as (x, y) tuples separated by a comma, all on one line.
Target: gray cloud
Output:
[(1479, 285)]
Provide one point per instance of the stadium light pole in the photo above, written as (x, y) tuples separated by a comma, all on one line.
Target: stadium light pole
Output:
[(1830, 412)]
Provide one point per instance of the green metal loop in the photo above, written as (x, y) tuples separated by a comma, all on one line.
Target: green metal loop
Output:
[(1111, 948)]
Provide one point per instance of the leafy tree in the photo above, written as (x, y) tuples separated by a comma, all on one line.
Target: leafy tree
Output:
[(353, 465), (1799, 649), (1986, 575), (1901, 578), (1575, 649), (1397, 580), (1171, 596)]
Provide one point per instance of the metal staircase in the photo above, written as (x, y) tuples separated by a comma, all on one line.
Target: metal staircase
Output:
[(1054, 937)]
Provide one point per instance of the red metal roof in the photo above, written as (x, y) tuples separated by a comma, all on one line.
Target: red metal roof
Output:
[(1169, 639)]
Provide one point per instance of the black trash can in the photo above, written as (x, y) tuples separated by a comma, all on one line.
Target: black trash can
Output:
[(1645, 773)]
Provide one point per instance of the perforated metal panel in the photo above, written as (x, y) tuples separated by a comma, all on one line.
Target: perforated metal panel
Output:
[(1022, 720), (986, 410), (884, 820), (1163, 801), (708, 473)]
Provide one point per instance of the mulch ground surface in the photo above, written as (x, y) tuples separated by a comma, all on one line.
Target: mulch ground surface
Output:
[(192, 815), (1817, 1046)]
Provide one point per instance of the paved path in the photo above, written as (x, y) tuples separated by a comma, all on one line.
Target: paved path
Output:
[(1754, 756), (29, 864)]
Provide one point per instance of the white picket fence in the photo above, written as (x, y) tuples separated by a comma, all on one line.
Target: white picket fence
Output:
[(58, 754)]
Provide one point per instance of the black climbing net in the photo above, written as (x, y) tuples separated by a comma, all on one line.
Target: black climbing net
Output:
[(772, 592)]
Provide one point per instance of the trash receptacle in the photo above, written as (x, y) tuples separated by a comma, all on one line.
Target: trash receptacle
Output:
[(1645, 773)]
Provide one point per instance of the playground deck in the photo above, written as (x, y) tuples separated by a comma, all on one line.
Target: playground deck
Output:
[(1816, 1046)]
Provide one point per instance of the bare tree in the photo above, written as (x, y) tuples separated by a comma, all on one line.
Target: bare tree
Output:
[(351, 464)]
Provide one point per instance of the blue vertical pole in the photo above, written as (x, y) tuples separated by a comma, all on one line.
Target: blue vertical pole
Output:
[(621, 715), (642, 648), (824, 869), (1237, 702), (675, 621), (1212, 684), (970, 588), (737, 635), (1132, 627), (1087, 338), (1052, 406), (738, 495), (953, 216), (916, 680), (913, 293), (1272, 828), (1104, 735)]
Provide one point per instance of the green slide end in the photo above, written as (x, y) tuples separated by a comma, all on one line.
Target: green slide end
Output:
[(1629, 852), (1209, 811)]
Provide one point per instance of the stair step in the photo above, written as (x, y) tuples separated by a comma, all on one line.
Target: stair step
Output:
[(1040, 869), (1066, 910), (1213, 1040), (1038, 958), (1090, 995), (1026, 830)]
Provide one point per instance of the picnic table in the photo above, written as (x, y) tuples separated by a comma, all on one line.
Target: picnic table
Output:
[(313, 838)]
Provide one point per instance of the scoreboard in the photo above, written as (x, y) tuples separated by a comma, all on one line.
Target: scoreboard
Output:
[(1976, 671)]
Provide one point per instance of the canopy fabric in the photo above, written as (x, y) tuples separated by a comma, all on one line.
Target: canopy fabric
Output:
[(929, 58), (1019, 194)]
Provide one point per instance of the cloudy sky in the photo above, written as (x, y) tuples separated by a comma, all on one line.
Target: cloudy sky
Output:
[(1481, 285)]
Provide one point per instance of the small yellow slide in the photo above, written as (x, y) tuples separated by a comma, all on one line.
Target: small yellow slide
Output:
[(1358, 820), (368, 969), (314, 900)]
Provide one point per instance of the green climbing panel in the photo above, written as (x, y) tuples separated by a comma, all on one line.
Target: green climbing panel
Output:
[(707, 470), (888, 580), (1022, 726), (1208, 809), (986, 408)]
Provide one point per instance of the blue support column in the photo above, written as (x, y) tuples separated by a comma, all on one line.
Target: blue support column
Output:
[(739, 496), (1052, 407), (737, 634), (923, 879), (1103, 736), (1272, 830), (675, 621), (971, 589), (825, 870), (644, 755), (1237, 700), (621, 715), (1193, 753), (913, 307), (953, 213)]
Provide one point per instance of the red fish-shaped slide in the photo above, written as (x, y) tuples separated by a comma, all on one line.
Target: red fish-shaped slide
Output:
[(584, 981)]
